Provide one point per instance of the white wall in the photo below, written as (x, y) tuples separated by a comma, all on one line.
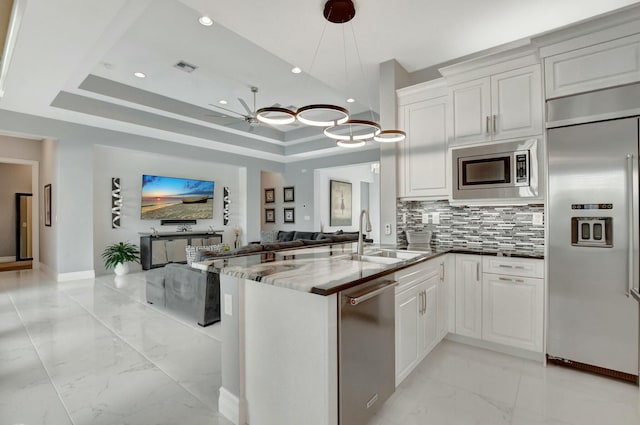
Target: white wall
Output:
[(129, 166), (353, 174), (48, 235), (15, 178)]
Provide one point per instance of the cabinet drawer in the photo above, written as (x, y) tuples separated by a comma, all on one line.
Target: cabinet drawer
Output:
[(415, 274), (526, 267)]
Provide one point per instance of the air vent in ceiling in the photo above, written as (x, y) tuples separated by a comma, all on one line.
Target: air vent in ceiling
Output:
[(186, 67)]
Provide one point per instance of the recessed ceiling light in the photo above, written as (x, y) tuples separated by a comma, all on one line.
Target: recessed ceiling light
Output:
[(140, 74), (222, 102), (206, 21), (296, 70), (351, 100)]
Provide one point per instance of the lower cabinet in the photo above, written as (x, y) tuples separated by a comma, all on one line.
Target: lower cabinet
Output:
[(469, 295), (512, 311), (419, 314), (500, 300)]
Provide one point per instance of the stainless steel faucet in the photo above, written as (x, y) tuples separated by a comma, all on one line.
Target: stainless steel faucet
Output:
[(360, 239)]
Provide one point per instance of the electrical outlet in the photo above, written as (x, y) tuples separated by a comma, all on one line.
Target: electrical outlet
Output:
[(404, 218), (435, 217), (387, 229), (537, 219), (307, 218), (425, 218)]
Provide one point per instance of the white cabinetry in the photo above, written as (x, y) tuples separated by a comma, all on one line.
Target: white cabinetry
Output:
[(609, 64), (469, 295), (502, 106), (444, 298), (418, 313), (500, 300), (423, 169), (513, 302)]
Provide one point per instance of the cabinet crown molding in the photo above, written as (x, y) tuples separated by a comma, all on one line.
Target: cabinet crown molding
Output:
[(427, 90), (617, 24), (510, 56)]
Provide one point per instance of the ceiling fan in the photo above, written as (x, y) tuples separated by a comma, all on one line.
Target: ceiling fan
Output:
[(249, 117)]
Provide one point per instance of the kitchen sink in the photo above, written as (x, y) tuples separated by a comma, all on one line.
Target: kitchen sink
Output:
[(375, 259), (403, 255), (385, 256)]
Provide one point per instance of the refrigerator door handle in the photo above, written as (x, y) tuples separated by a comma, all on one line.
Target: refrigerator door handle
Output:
[(632, 178)]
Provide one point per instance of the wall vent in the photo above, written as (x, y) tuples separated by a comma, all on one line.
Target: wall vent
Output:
[(186, 67)]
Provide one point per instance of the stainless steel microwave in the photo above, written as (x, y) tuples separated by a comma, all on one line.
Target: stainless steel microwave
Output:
[(496, 171)]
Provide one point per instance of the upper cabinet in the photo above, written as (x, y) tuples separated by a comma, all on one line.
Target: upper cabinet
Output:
[(595, 67), (501, 106), (423, 168)]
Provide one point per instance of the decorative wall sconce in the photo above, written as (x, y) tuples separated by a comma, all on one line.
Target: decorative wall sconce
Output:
[(116, 203), (225, 206)]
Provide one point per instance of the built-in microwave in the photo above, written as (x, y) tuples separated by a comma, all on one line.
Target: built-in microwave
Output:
[(496, 171)]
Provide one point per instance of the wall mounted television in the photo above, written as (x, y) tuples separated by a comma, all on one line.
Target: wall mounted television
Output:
[(176, 198)]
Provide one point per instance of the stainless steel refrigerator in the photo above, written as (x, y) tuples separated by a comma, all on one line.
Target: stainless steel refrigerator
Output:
[(593, 247)]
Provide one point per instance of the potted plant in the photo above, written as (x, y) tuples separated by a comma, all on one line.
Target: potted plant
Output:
[(117, 255)]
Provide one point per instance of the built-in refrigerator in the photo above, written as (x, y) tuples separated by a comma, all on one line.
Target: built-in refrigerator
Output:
[(593, 227)]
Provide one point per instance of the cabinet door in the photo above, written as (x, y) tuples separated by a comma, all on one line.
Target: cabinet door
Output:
[(408, 304), (158, 252), (471, 106), (429, 334), (176, 250), (443, 301), (512, 311), (603, 65), (516, 103), (424, 152), (469, 295)]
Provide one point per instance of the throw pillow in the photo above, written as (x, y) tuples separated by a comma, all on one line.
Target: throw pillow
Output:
[(285, 236), (191, 250), (268, 236)]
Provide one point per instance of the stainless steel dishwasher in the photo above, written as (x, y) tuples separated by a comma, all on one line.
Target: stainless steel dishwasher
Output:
[(366, 346)]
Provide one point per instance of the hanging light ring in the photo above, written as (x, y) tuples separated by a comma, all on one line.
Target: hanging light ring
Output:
[(364, 130), (275, 115), (339, 115), (390, 136)]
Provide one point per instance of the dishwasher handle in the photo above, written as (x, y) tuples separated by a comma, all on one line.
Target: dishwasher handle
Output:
[(384, 286)]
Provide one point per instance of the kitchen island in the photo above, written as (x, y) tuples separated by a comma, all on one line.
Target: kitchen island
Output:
[(280, 317)]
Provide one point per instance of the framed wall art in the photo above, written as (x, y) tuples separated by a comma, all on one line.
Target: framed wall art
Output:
[(269, 196), (47, 205), (269, 215), (289, 215), (339, 203), (289, 194)]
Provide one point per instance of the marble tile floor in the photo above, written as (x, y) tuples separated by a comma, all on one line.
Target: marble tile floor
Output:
[(93, 352), (463, 385)]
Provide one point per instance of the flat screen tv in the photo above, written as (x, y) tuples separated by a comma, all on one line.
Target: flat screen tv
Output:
[(175, 198)]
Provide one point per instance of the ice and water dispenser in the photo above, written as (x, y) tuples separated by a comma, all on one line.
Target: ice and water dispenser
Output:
[(594, 232)]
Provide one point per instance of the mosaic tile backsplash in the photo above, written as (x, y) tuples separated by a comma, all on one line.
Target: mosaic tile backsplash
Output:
[(500, 227)]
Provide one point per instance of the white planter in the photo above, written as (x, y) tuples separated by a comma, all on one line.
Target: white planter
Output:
[(121, 269)]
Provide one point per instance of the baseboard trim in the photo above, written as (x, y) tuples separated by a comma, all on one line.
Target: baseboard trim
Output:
[(229, 406), (7, 259), (505, 349), (87, 274), (47, 270)]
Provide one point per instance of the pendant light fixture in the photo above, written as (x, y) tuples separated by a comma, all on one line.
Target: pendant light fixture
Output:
[(349, 133)]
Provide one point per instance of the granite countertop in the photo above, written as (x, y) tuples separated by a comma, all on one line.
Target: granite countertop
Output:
[(328, 269)]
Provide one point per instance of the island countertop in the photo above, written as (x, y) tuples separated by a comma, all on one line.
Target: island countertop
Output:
[(328, 269)]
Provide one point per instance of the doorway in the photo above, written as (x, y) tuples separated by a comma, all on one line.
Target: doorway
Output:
[(19, 246)]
